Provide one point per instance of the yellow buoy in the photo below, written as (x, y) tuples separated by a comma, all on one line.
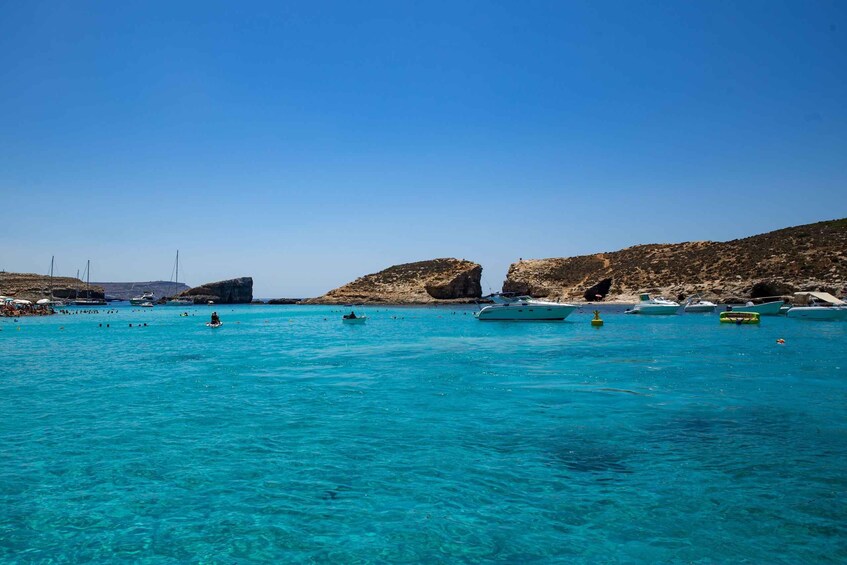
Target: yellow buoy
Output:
[(597, 322)]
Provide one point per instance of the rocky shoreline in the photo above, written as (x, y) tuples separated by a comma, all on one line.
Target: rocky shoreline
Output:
[(810, 257)]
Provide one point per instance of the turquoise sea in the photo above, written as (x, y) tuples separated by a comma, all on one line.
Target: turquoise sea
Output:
[(420, 436)]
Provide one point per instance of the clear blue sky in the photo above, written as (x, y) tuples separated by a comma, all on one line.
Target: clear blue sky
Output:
[(306, 144)]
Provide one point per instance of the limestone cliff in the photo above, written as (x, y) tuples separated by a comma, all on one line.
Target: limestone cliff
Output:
[(423, 282), (30, 286), (232, 291), (807, 257)]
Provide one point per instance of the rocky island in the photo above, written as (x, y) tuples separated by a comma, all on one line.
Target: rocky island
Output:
[(231, 291), (422, 282), (807, 257)]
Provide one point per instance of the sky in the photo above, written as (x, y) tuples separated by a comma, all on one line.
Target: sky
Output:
[(305, 144)]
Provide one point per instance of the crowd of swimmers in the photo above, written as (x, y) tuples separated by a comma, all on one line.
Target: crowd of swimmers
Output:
[(74, 312), (11, 310)]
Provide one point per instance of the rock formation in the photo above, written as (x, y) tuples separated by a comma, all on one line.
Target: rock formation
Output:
[(771, 288), (423, 282), (232, 291), (808, 257), (278, 301), (598, 291), (30, 286)]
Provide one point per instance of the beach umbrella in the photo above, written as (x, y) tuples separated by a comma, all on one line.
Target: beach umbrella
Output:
[(21, 301), (44, 301)]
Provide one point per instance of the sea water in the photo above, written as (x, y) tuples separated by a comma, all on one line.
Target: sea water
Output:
[(421, 435)]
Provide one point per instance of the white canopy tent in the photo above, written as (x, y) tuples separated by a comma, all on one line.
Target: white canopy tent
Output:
[(805, 298)]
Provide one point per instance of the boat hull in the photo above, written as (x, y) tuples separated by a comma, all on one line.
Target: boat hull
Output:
[(525, 313), (817, 313), (654, 310), (699, 309), (766, 309)]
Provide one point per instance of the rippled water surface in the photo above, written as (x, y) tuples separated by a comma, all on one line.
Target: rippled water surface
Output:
[(422, 435)]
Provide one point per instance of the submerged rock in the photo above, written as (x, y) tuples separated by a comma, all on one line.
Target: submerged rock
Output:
[(423, 282)]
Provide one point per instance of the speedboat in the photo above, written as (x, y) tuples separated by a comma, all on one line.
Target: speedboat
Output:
[(140, 300), (654, 306), (818, 306), (511, 307), (763, 309), (180, 302), (695, 305), (146, 304)]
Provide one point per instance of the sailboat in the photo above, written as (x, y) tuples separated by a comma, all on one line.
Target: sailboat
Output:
[(88, 301), (175, 300), (53, 301)]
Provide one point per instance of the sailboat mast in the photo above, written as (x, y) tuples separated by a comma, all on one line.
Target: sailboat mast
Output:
[(87, 278), (52, 258)]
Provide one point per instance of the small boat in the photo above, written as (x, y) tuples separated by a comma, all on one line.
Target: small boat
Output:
[(352, 318), (696, 305), (764, 309), (817, 306), (739, 318), (509, 307), (147, 296), (654, 306), (146, 305)]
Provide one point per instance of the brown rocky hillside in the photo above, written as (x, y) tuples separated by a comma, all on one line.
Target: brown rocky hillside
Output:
[(30, 286), (423, 282), (808, 257)]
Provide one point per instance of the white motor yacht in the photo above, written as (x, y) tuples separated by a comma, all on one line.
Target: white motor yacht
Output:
[(657, 306), (696, 305), (140, 300), (511, 307), (817, 306)]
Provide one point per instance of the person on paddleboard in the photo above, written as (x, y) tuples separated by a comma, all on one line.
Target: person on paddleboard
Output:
[(215, 319)]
